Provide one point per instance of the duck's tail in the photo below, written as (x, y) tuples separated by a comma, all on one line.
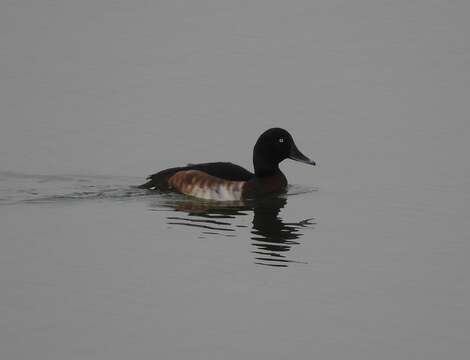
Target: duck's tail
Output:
[(159, 181)]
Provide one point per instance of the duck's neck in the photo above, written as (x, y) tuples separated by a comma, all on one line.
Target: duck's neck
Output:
[(264, 167)]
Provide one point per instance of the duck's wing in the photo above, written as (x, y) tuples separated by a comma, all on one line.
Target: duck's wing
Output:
[(222, 170)]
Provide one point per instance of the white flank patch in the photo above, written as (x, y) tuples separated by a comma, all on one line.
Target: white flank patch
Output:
[(221, 192)]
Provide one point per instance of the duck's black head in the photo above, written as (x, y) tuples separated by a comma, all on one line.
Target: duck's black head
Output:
[(272, 147)]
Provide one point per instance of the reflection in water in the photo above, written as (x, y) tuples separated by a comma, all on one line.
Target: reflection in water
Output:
[(271, 237)]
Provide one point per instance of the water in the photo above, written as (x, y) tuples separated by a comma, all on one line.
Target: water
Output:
[(364, 257), (103, 269), (257, 220)]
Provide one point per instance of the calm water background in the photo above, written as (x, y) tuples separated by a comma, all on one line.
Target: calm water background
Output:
[(365, 257)]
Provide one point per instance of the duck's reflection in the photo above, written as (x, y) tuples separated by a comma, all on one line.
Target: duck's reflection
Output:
[(271, 237)]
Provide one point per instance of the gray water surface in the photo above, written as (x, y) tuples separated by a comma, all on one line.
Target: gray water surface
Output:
[(364, 257), (100, 269)]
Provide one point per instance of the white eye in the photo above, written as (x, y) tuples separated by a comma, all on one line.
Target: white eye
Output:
[(281, 140)]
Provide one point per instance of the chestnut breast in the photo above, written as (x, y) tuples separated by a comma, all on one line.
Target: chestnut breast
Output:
[(265, 185)]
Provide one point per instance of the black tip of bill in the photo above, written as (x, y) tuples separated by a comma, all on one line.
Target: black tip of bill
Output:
[(296, 155)]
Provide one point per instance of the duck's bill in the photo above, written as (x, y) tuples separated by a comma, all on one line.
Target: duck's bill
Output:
[(296, 155)]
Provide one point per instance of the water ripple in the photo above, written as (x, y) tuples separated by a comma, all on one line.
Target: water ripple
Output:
[(272, 238)]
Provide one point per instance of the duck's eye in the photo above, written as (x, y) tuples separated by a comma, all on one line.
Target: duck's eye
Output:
[(281, 140)]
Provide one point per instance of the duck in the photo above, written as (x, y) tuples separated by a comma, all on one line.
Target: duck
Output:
[(225, 181)]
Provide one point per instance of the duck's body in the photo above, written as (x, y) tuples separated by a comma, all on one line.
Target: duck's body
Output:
[(223, 181)]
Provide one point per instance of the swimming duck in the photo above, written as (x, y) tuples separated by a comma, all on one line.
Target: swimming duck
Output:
[(224, 181)]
